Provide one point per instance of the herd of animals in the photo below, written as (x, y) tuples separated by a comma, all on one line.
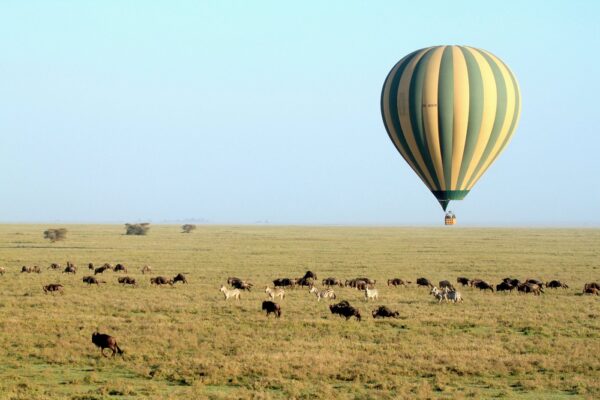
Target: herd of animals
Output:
[(445, 291)]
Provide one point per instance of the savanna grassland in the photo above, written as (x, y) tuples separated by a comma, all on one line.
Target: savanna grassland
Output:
[(186, 342)]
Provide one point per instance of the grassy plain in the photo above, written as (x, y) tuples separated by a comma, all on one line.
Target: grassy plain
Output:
[(186, 342)]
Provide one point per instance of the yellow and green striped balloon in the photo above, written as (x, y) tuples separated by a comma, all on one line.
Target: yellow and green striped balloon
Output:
[(450, 111)]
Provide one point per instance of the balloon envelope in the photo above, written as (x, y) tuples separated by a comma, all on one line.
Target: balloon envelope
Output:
[(450, 111)]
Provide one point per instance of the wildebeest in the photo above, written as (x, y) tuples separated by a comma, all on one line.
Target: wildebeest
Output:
[(504, 286), (512, 282), (344, 309), (384, 312), (242, 285), (397, 282), (483, 285), (271, 308), (100, 270), (120, 268), (180, 278), (161, 280), (29, 270), (146, 268), (462, 280), (332, 282), (446, 284), (554, 284), (424, 282), (90, 280), (530, 288), (54, 266), (591, 285), (310, 275), (105, 341), (284, 282), (323, 294), (304, 281), (70, 269), (368, 280), (591, 290), (229, 293), (91, 266), (126, 280), (535, 282), (371, 294), (53, 287), (275, 293)]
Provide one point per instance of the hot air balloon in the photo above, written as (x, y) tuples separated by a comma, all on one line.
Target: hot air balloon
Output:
[(450, 111)]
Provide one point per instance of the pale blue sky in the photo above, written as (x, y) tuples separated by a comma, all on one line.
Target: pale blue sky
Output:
[(239, 111)]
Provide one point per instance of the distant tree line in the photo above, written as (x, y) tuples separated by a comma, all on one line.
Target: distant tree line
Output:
[(137, 229), (55, 235)]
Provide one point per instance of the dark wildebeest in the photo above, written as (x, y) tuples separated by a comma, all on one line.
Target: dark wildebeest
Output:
[(591, 285), (146, 268), (105, 341), (311, 275), (530, 288), (535, 282), (54, 266), (344, 309), (332, 282), (462, 280), (512, 282), (53, 287), (242, 285), (180, 278), (101, 269), (91, 266), (233, 279), (360, 284), (120, 268), (70, 269), (424, 282), (384, 312), (397, 282), (29, 270), (504, 286), (126, 280), (271, 308), (591, 290), (483, 285), (368, 280), (447, 284), (284, 282), (161, 280), (554, 284), (90, 280), (304, 281), (474, 282)]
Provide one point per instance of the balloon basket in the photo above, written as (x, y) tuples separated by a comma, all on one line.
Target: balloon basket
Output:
[(450, 219)]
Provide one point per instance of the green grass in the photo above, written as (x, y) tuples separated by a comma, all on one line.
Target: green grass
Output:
[(187, 342)]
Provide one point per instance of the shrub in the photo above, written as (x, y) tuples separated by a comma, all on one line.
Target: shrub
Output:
[(137, 229), (55, 234), (187, 228)]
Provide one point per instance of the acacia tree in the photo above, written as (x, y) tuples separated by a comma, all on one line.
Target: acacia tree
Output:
[(187, 228), (137, 229), (55, 235)]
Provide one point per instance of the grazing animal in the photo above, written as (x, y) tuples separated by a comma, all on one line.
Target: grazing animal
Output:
[(535, 282), (591, 285), (360, 285), (556, 284), (453, 296), (242, 285), (304, 282), (228, 293), (2, 270), (368, 280), (146, 268), (446, 284), (424, 282), (462, 280), (233, 279), (126, 280), (271, 308), (512, 282), (272, 293), (180, 278), (483, 285), (70, 269), (344, 309), (398, 282), (105, 341), (54, 266), (332, 282), (591, 290), (440, 295), (29, 270), (530, 288), (384, 312), (310, 275), (53, 287), (90, 280), (100, 270), (371, 294), (120, 268), (284, 282), (161, 280), (91, 266), (504, 286), (323, 294)]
